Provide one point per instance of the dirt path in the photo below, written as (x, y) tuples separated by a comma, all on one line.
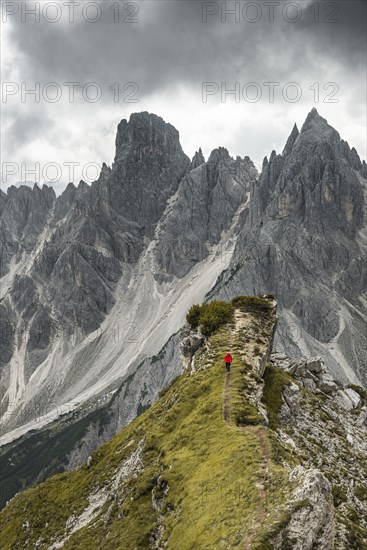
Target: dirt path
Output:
[(242, 322), (226, 398)]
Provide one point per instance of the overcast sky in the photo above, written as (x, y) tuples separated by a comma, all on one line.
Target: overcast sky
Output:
[(314, 53)]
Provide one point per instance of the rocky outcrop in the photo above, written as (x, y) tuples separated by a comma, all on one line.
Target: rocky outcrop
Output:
[(311, 372), (149, 164), (197, 160), (311, 523), (23, 215), (190, 343), (290, 141), (328, 432)]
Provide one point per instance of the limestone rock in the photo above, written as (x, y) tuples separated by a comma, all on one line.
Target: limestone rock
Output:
[(354, 397), (327, 385), (315, 365), (311, 525), (299, 237), (347, 399), (189, 345)]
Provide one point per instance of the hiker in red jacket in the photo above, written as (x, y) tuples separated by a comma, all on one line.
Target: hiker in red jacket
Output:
[(228, 360)]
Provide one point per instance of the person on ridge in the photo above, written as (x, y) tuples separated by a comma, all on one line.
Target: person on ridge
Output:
[(228, 360)]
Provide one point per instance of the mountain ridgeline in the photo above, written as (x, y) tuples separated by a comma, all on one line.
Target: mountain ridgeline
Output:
[(96, 283), (254, 458)]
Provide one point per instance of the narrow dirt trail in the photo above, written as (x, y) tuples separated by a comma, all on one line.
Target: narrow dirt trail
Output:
[(243, 322), (261, 506), (226, 399)]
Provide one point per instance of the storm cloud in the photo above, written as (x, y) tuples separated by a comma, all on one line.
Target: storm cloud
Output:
[(155, 56)]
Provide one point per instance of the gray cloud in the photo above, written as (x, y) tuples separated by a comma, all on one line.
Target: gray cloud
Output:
[(346, 38), (170, 44), (171, 49), (25, 127)]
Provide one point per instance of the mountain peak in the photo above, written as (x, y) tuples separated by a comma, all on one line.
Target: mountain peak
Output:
[(314, 120), (314, 112), (146, 131)]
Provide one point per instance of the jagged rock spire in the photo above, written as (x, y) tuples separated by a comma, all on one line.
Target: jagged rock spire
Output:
[(290, 141), (197, 159)]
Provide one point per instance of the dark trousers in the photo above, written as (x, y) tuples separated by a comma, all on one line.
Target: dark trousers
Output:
[(228, 366)]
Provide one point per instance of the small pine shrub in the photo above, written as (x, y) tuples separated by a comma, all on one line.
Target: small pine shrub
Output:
[(214, 315), (210, 316), (193, 316)]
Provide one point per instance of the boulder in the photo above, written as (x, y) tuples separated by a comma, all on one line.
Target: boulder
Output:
[(315, 365), (346, 399), (312, 521), (327, 385), (354, 397), (331, 414)]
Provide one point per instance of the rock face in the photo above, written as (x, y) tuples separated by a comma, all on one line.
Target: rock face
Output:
[(204, 207), (23, 216), (189, 344), (149, 164), (312, 525), (311, 372), (97, 280), (303, 238), (329, 430)]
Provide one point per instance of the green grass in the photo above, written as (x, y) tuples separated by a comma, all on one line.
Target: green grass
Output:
[(360, 492), (43, 452), (210, 469), (275, 382), (339, 495), (242, 411)]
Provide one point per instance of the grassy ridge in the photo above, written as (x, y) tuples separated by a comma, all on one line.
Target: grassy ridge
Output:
[(202, 474)]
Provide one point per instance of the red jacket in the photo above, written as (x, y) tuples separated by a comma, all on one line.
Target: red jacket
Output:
[(228, 358)]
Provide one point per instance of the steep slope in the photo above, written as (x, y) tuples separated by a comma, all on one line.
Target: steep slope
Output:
[(94, 294), (207, 200), (205, 445), (68, 441), (303, 238)]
